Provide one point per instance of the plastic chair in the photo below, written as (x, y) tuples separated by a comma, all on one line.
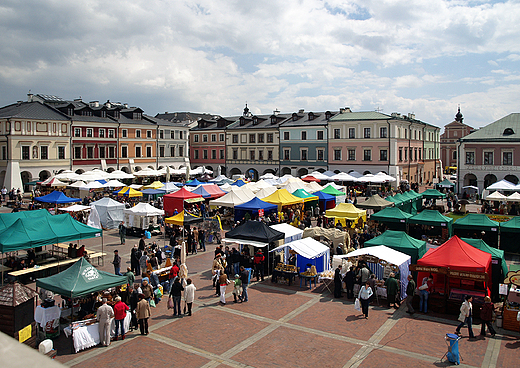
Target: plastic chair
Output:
[(452, 354)]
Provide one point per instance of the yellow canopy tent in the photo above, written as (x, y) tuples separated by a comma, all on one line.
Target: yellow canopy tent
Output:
[(282, 198), (154, 185), (129, 192), (346, 211), (183, 219)]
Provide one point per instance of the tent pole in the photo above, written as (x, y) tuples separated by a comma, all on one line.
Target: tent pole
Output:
[(102, 248), (3, 268)]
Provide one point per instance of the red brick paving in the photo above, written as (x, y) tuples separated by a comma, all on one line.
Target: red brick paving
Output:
[(386, 359), (212, 330), (285, 347), (509, 352)]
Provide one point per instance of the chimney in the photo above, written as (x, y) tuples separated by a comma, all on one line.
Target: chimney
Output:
[(411, 116), (30, 97), (94, 103), (125, 105), (343, 110), (77, 100), (395, 115), (276, 112), (301, 111)]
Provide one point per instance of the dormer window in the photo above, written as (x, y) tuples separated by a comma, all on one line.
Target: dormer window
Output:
[(255, 120), (136, 116), (294, 117), (328, 115), (508, 131), (311, 116), (273, 119), (70, 111), (242, 121)]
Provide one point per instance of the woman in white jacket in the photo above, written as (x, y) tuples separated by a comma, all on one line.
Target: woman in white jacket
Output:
[(466, 316), (189, 294)]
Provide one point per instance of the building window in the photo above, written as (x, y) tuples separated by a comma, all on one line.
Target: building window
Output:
[(172, 134), (214, 154), (221, 154), (383, 132), (400, 154), (138, 151), (286, 154), (161, 134), (303, 155), (235, 154), (383, 155), (195, 138), (269, 155), (138, 133), (507, 158), (366, 132), (285, 136), (415, 154), (420, 151), (124, 151), (221, 137), (337, 154), (337, 134), (204, 137), (148, 134), (252, 138), (260, 155), (181, 150), (367, 155), (172, 151), (4, 152), (111, 133), (101, 150), (204, 154), (261, 138), (180, 134), (77, 152), (161, 151), (304, 135), (90, 152), (44, 152), (234, 138), (196, 154), (252, 155), (26, 153), (319, 135), (149, 151), (351, 133), (77, 132), (101, 133), (112, 152), (124, 133), (320, 154), (351, 154), (488, 158), (270, 138), (213, 137), (90, 132), (61, 152)]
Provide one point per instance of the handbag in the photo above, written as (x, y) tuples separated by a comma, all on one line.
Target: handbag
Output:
[(170, 303), (152, 303), (423, 287), (357, 305)]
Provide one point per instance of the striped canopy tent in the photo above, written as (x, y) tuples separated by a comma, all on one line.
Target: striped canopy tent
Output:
[(128, 192)]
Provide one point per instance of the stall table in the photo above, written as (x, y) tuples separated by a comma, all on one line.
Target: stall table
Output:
[(291, 276), (309, 279)]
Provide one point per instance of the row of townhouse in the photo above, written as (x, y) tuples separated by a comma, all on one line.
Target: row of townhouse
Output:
[(302, 142), (46, 134)]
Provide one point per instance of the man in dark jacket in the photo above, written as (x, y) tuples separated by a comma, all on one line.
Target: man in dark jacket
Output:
[(259, 265), (350, 280), (135, 254), (117, 263), (244, 277), (410, 291), (391, 290), (338, 282)]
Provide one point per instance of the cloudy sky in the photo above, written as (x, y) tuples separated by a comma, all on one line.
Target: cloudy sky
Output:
[(420, 56)]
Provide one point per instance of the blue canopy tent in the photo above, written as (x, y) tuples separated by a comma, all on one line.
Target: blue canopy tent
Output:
[(193, 183), (203, 192), (252, 207), (239, 183), (57, 197), (326, 201), (154, 193)]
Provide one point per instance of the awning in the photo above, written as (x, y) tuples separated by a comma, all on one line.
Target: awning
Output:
[(246, 242)]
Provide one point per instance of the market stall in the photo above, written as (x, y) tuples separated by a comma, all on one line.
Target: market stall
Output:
[(255, 207), (381, 261), (335, 236), (310, 200), (141, 217), (375, 203), (344, 212), (291, 233), (509, 235), (474, 223), (232, 199), (282, 198), (110, 212), (404, 204), (458, 269), (338, 195), (512, 303), (393, 217), (326, 201), (433, 224), (400, 241), (175, 201)]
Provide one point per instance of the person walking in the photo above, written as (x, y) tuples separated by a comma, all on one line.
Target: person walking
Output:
[(134, 299), (143, 262), (486, 315), (202, 239), (189, 295), (117, 263), (237, 290), (143, 312), (338, 282), (259, 265), (425, 289), (120, 309), (364, 297), (244, 277), (350, 280), (135, 254), (105, 313), (176, 294), (391, 290), (122, 232), (223, 282), (466, 316), (410, 291), (130, 278)]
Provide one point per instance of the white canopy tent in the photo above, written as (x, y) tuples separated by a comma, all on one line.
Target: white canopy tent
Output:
[(496, 196), (265, 192), (233, 199), (515, 197), (92, 185), (313, 187), (291, 233), (342, 177), (110, 212), (78, 184), (75, 208), (319, 175), (309, 251), (142, 215), (388, 255), (118, 174), (501, 185), (114, 184)]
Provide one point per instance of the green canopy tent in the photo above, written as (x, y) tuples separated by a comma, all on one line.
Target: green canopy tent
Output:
[(498, 263), (7, 219), (432, 218), (474, 223), (433, 194), (446, 184), (412, 198), (402, 202), (400, 241), (375, 203), (509, 233), (79, 280), (392, 217), (310, 201), (332, 191), (418, 199)]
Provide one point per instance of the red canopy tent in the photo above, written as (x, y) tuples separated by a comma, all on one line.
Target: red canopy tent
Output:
[(460, 267), (309, 178), (175, 201)]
